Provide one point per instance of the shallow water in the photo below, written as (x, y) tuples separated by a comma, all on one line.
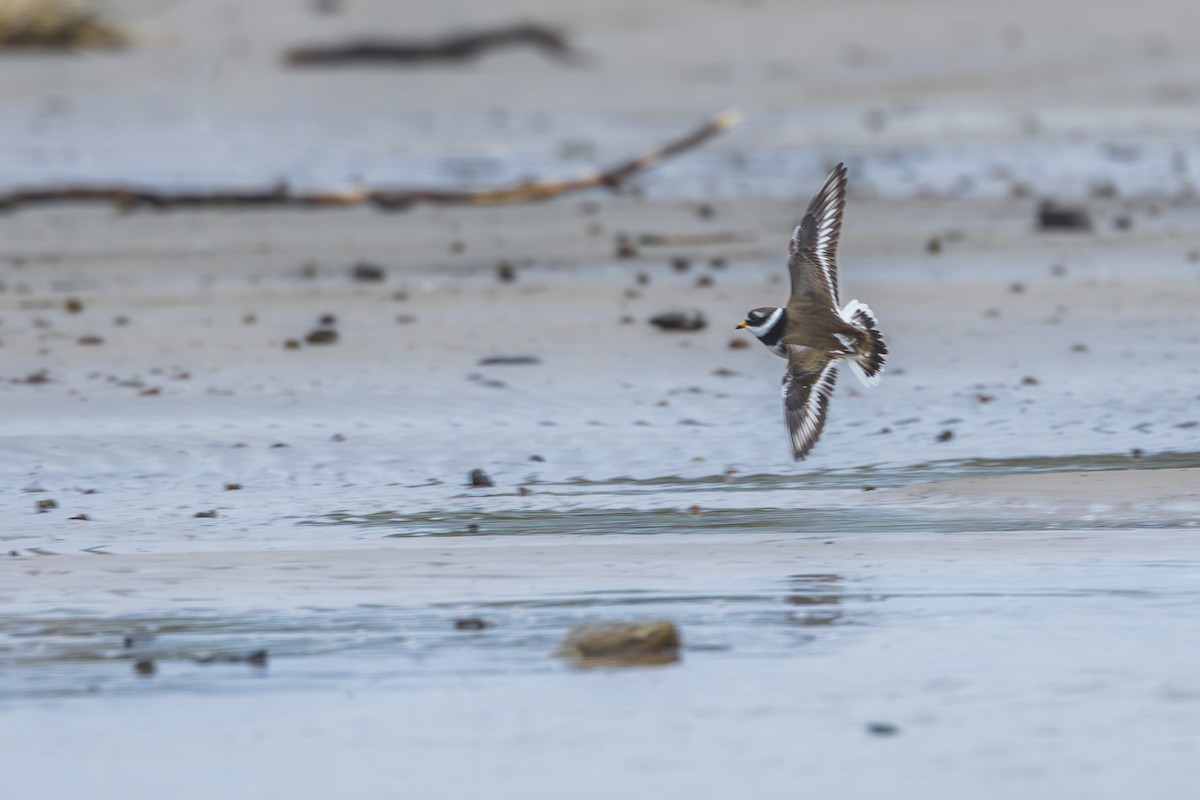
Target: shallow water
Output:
[(1008, 655)]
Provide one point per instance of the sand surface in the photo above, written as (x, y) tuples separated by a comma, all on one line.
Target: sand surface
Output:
[(994, 551)]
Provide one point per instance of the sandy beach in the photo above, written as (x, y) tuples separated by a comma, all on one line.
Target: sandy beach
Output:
[(983, 582)]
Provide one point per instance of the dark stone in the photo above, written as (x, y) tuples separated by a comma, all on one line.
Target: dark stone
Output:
[(506, 272), (945, 435), (471, 624), (46, 505), (144, 667), (210, 514), (686, 321), (882, 728), (322, 336), (1053, 216), (365, 272), (492, 361), (479, 479)]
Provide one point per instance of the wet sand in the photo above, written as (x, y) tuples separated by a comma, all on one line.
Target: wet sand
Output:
[(992, 552)]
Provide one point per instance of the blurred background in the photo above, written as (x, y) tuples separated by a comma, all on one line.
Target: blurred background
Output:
[(964, 99)]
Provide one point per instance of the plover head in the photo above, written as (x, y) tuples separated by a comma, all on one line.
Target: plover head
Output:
[(761, 321)]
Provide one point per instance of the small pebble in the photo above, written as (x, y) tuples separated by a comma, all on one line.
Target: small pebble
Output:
[(322, 336), (365, 272), (882, 729), (210, 514), (471, 624), (686, 321), (945, 435), (1052, 216), (46, 505), (144, 667), (625, 248), (479, 479)]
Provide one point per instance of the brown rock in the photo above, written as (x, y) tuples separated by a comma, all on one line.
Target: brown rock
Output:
[(621, 644)]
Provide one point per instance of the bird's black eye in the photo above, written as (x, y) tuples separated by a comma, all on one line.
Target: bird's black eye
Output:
[(754, 316)]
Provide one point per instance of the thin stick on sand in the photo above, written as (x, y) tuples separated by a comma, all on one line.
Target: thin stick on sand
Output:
[(464, 46), (393, 199)]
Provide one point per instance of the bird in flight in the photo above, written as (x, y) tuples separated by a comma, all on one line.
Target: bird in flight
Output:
[(814, 332)]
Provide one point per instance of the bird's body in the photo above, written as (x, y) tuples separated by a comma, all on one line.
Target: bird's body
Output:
[(814, 332)]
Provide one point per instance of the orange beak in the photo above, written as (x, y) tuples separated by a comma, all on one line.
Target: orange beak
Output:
[(740, 325)]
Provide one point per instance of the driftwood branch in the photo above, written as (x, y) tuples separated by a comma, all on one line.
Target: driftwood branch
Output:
[(390, 198), (456, 47)]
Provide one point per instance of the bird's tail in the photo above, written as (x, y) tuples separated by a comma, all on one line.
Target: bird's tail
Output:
[(870, 355)]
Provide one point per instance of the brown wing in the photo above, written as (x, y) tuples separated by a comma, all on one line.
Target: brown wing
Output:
[(807, 386), (812, 254)]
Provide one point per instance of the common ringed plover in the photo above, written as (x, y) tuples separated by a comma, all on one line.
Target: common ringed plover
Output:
[(812, 332)]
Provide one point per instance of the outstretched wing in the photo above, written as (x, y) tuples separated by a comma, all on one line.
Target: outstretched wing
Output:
[(807, 386), (812, 254)]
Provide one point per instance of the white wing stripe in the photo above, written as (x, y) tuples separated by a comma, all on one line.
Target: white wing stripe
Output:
[(811, 415)]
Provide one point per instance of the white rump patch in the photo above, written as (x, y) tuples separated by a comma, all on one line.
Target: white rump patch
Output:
[(854, 313)]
